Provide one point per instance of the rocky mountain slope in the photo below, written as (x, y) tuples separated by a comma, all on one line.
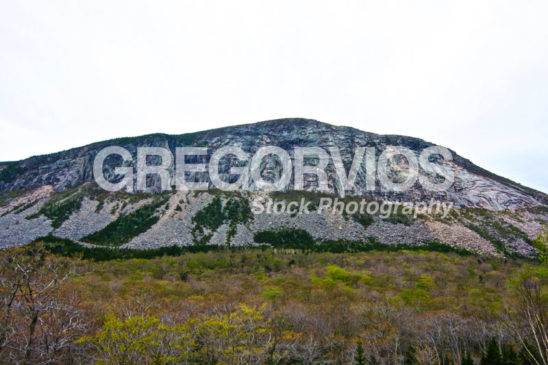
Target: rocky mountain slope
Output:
[(56, 194)]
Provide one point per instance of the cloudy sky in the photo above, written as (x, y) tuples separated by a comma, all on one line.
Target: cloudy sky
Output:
[(469, 75)]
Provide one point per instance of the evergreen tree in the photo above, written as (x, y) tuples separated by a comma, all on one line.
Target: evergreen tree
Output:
[(509, 356), (492, 356), (360, 357), (410, 357)]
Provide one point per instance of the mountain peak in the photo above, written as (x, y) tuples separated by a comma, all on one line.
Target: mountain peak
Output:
[(68, 169)]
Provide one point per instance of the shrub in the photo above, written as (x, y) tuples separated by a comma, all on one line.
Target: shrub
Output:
[(364, 219), (137, 339), (415, 297), (350, 279), (272, 293)]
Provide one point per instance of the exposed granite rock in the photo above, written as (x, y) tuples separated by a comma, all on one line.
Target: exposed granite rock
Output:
[(16, 230), (86, 220), (511, 222), (473, 186), (457, 235), (174, 227)]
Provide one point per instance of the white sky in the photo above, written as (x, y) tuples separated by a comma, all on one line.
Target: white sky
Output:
[(469, 75)]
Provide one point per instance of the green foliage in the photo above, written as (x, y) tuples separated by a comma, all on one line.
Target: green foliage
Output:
[(337, 273), (299, 239), (127, 226), (372, 244), (10, 172), (99, 206), (134, 340), (539, 209), (290, 238), (18, 208), (216, 339), (220, 339), (527, 351), (272, 294), (58, 211), (485, 233), (492, 356), (187, 139), (418, 298), (7, 196), (319, 303), (359, 358), (425, 282), (296, 195), (59, 208), (541, 244), (529, 286), (235, 211), (529, 274), (509, 356), (398, 217), (364, 219), (410, 356), (211, 216), (65, 247)]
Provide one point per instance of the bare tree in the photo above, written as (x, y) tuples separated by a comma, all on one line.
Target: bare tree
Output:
[(529, 319), (41, 317)]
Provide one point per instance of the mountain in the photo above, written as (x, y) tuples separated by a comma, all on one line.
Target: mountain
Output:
[(56, 194)]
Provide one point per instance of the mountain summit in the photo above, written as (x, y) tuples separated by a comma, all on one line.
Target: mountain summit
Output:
[(473, 185)]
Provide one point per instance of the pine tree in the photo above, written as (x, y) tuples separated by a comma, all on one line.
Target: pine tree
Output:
[(410, 358), (360, 357), (493, 355), (509, 356)]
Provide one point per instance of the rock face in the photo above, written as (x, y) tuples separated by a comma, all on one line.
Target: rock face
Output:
[(492, 215), (473, 186)]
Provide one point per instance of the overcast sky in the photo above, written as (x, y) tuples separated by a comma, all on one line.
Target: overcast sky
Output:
[(469, 75)]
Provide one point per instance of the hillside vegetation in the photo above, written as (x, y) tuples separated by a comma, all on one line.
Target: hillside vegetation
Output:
[(271, 305)]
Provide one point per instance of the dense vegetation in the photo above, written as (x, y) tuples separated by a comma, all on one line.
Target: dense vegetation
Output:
[(364, 219), (59, 209), (232, 211), (68, 248), (129, 225), (276, 306), (10, 172), (290, 238), (300, 239)]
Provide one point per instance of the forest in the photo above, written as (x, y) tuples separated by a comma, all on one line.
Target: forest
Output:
[(281, 304)]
